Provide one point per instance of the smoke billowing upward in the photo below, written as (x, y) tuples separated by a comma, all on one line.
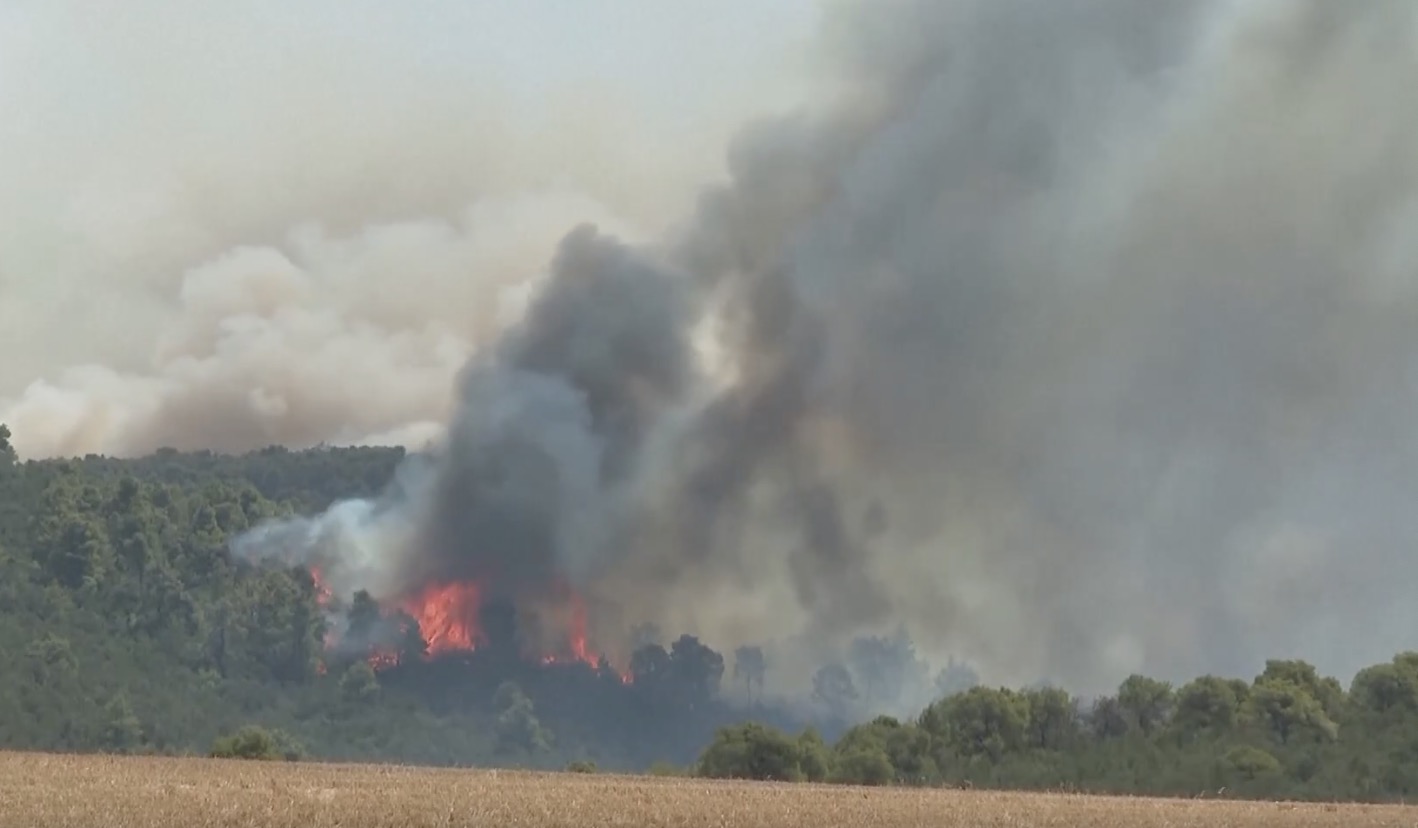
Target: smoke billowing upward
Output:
[(1076, 336)]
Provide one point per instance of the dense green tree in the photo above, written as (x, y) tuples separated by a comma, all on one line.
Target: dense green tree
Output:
[(1387, 688), (519, 732), (752, 751), (359, 684), (1248, 763), (1323, 689), (1053, 722), (1206, 705), (123, 732), (814, 758), (865, 765), (1107, 719), (1287, 710), (907, 749), (982, 721), (1146, 702)]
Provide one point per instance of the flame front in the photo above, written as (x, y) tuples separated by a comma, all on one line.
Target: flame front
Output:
[(447, 615), (575, 619)]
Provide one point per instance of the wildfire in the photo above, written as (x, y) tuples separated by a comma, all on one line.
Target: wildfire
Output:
[(447, 615), (448, 619), (322, 592), (380, 659), (575, 608)]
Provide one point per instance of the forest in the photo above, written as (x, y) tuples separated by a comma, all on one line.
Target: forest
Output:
[(129, 626)]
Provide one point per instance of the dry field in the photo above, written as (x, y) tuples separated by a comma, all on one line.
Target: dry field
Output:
[(39, 791)]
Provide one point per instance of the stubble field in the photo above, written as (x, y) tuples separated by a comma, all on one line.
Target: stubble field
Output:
[(40, 791)]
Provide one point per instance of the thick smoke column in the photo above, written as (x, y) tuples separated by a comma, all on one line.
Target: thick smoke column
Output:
[(1074, 335)]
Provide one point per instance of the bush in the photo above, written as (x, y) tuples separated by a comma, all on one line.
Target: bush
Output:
[(252, 742), (814, 759), (1250, 763), (581, 766), (752, 751), (864, 766)]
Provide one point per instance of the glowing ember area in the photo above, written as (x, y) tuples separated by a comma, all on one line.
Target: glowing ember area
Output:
[(447, 615), (322, 592), (381, 660), (323, 596)]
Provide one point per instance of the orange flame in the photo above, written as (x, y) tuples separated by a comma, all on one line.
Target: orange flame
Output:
[(447, 615)]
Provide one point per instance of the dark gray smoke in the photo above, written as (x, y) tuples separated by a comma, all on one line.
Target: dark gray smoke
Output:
[(1077, 336)]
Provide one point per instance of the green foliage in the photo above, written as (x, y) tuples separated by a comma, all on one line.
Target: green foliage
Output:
[(982, 721), (752, 751), (864, 766), (359, 684), (906, 747), (133, 628), (253, 742), (1206, 705), (123, 732), (518, 730), (1286, 710), (1146, 702), (814, 758), (1052, 723), (1248, 763), (1386, 689)]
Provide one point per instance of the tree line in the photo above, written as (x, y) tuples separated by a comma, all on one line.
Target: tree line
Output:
[(129, 627), (1289, 732)]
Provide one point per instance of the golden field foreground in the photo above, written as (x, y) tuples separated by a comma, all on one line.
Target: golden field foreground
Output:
[(41, 790)]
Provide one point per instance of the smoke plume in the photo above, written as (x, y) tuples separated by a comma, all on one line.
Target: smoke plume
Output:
[(1076, 336)]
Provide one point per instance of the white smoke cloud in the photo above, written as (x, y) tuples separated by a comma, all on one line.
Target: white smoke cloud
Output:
[(226, 226)]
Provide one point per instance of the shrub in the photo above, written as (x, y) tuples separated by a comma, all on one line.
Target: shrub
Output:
[(752, 751), (864, 766), (253, 742)]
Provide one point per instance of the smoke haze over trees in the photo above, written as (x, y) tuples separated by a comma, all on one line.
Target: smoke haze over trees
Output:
[(129, 628), (1071, 336)]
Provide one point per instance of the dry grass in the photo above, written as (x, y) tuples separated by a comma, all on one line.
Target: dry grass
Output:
[(39, 791)]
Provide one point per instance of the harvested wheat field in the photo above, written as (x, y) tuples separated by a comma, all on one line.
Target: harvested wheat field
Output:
[(39, 791)]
